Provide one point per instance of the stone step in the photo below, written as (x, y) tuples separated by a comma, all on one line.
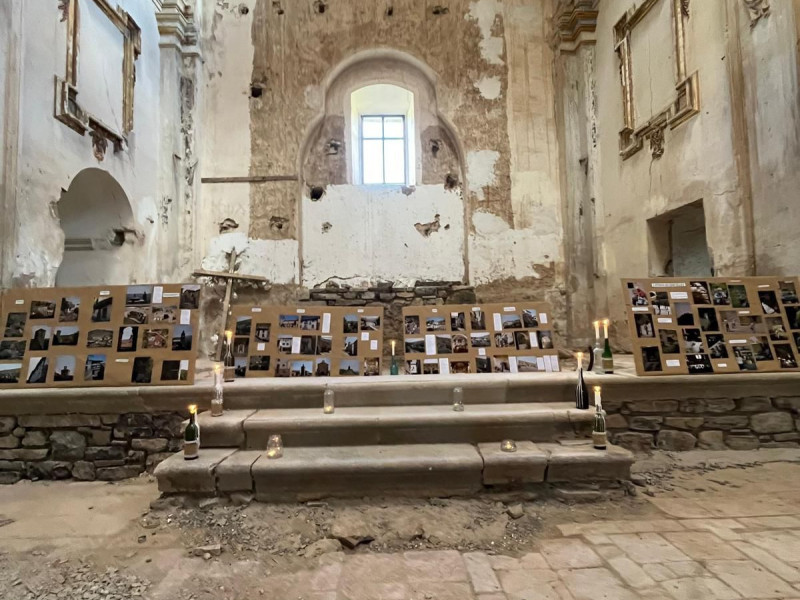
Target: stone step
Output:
[(379, 425), (407, 470)]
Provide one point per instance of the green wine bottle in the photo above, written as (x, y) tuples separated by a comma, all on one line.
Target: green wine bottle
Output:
[(191, 438), (608, 359)]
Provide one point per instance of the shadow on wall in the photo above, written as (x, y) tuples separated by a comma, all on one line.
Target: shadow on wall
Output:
[(99, 230)]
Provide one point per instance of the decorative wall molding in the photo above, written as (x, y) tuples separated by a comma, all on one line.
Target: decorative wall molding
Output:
[(686, 103), (176, 23), (573, 25), (757, 9), (67, 108)]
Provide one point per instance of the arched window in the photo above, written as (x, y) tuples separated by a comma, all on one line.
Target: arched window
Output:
[(383, 133)]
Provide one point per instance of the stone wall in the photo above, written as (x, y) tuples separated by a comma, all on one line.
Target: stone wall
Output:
[(706, 423), (86, 447)]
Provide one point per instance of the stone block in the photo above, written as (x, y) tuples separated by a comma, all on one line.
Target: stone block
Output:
[(636, 442), (109, 419), (616, 421), (176, 475), (234, 473), (653, 406), (9, 441), (700, 406), (786, 437), (727, 423), (49, 469), (646, 423), (11, 465), (67, 445), (584, 463), (109, 463), (742, 442), (150, 446), (711, 440), (788, 403), (756, 404), (780, 445), (9, 477), (772, 422), (97, 437), (7, 424), (135, 457), (59, 421), (19, 432), (527, 465), (119, 473), (168, 425), (225, 431), (687, 423), (84, 471), (153, 460), (462, 297), (98, 453), (24, 454), (425, 291), (34, 439), (676, 440)]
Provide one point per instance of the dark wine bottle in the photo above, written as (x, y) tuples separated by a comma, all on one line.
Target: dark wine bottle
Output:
[(191, 438), (608, 359), (581, 392), (229, 373)]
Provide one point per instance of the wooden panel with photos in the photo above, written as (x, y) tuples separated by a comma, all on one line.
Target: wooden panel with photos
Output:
[(99, 336), (486, 338), (314, 341), (713, 325)]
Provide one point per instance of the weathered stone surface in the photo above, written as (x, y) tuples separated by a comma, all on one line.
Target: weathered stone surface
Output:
[(11, 465), (34, 439), (792, 403), (24, 454), (320, 547), (168, 425), (186, 476), (711, 440), (135, 457), (109, 463), (780, 445), (67, 445), (636, 442), (527, 465), (9, 441), (49, 469), (584, 463), (757, 404), (699, 406), (773, 422), (105, 453), (676, 440), (616, 421), (19, 432), (118, 473), (742, 442), (135, 425), (109, 419), (7, 424), (727, 423), (9, 477), (653, 406), (462, 297), (97, 437), (84, 471), (154, 459), (59, 421), (684, 422), (646, 423)]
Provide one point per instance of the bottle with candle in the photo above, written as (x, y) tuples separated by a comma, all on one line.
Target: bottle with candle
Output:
[(581, 392), (217, 407), (598, 350), (458, 399), (394, 369), (599, 436), (191, 437), (328, 402), (230, 365), (608, 358)]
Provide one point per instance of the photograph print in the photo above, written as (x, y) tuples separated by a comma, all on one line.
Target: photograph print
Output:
[(435, 324), (37, 370), (738, 296), (444, 344), (700, 293), (15, 325), (698, 364), (42, 309), (530, 318), (155, 339), (481, 340), (101, 338), (12, 350), (788, 292), (302, 368), (670, 343), (477, 320), (182, 338), (769, 302), (483, 364), (40, 338), (66, 336), (165, 314), (9, 373), (546, 340), (308, 344), (693, 341), (372, 367), (760, 347), (139, 294), (136, 315), (793, 316), (413, 367), (651, 359), (776, 329), (349, 368), (708, 319), (460, 344), (458, 321), (522, 340), (719, 294), (644, 325), (351, 346), (291, 321), (310, 322), (411, 324), (744, 358), (324, 344), (101, 309), (259, 363), (511, 321), (415, 345), (241, 346), (170, 370), (660, 304), (785, 356), (527, 364), (370, 323), (350, 324), (95, 368), (684, 314), (504, 340), (190, 297), (127, 339), (142, 371), (70, 309), (636, 294), (243, 325), (323, 368), (716, 345), (262, 332)]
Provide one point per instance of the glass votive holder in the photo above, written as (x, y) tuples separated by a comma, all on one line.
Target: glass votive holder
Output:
[(274, 447), (328, 401), (458, 399), (508, 446)]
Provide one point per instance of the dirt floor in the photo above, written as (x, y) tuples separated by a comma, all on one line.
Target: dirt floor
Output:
[(96, 541)]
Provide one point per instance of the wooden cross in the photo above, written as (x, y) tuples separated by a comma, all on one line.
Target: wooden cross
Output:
[(229, 278)]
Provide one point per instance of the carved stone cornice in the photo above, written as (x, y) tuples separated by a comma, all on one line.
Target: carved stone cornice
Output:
[(573, 24), (757, 9), (176, 23)]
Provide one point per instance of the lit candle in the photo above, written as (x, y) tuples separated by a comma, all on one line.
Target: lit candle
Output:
[(394, 342), (217, 368), (605, 327), (228, 337), (508, 446), (274, 447), (193, 409), (598, 401), (328, 403), (596, 329), (580, 359)]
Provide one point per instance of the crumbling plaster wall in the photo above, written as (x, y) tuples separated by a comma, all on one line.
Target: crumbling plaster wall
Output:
[(50, 154), (493, 86)]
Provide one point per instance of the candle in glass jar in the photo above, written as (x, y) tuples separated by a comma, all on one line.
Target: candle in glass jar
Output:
[(394, 342), (580, 359), (598, 401), (605, 327), (596, 329), (274, 447), (508, 446)]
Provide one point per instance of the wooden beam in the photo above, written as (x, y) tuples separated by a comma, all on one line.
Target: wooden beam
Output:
[(249, 179), (204, 273)]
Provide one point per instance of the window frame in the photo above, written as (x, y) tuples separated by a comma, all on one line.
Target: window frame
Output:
[(383, 140)]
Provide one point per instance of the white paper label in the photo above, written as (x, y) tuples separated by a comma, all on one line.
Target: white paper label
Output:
[(722, 365), (20, 302), (764, 285), (540, 363), (301, 311), (543, 318), (158, 294), (744, 312), (664, 320), (444, 366), (435, 310), (481, 351), (261, 346), (184, 364), (122, 360), (498, 322), (105, 293), (430, 361), (453, 314), (668, 285), (548, 364), (476, 309), (641, 309), (534, 339), (295, 345), (555, 363), (326, 322), (365, 336), (509, 308), (360, 310), (673, 363), (256, 309), (172, 294), (373, 344), (430, 344), (738, 341), (679, 295), (186, 316), (512, 364)]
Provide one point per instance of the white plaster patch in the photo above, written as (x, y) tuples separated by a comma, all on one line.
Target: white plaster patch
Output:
[(480, 170), (313, 97), (485, 12), (489, 87), (274, 259)]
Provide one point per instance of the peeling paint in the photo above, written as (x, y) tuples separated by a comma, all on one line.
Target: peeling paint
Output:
[(480, 170), (489, 87), (485, 12), (426, 229), (274, 259)]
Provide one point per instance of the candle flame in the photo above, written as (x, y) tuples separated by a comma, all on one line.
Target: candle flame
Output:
[(193, 409), (597, 389), (228, 336), (606, 322), (596, 323), (580, 356), (217, 368)]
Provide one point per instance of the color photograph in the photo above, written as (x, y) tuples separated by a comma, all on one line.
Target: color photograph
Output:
[(289, 321), (95, 368), (37, 370), (444, 344), (9, 373), (348, 368), (262, 332), (527, 364), (351, 346), (481, 340), (324, 344), (127, 339), (458, 322), (719, 294), (415, 345), (136, 315), (350, 324), (477, 320), (372, 367), (139, 294), (170, 370), (411, 324), (309, 322), (302, 368), (660, 303), (155, 339), (243, 325), (788, 292), (165, 314), (66, 336), (369, 323), (40, 338), (101, 309), (323, 368), (636, 294), (460, 344), (182, 338), (511, 321), (530, 318), (738, 295), (435, 324), (190, 297), (700, 294)]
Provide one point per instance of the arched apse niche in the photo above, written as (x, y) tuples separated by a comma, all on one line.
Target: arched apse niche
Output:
[(99, 231), (401, 231)]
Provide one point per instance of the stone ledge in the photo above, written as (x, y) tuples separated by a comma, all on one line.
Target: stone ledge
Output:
[(234, 474), (584, 463), (225, 431), (195, 476), (527, 465)]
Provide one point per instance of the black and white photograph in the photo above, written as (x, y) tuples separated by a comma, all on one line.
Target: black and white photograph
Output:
[(190, 297), (259, 363), (95, 367), (324, 344), (243, 326), (670, 343), (435, 324), (660, 303), (430, 368), (40, 338), (477, 320), (504, 340), (776, 329), (411, 324), (415, 345), (139, 294), (522, 340), (262, 332), (155, 339), (793, 316), (241, 346), (350, 324), (730, 321), (282, 368), (310, 322), (302, 368), (372, 367), (719, 294), (170, 370), (37, 370), (708, 319), (413, 367), (698, 364), (527, 364), (458, 321), (796, 336), (240, 366), (43, 309), (769, 302), (165, 314), (128, 337), (760, 347), (500, 364), (100, 338), (101, 309), (444, 344), (684, 314), (348, 368), (70, 309), (460, 367), (142, 371), (285, 344), (351, 346), (717, 348), (788, 292), (651, 359), (693, 341), (738, 295), (460, 344), (66, 336), (9, 373), (308, 344), (481, 340), (530, 318), (291, 321), (785, 356), (546, 340), (15, 325), (644, 325), (483, 364), (700, 293), (182, 338), (744, 358), (136, 315), (370, 323), (323, 368), (12, 349), (511, 321), (636, 294)]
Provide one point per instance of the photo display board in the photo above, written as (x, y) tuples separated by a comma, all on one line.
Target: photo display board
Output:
[(486, 338), (314, 341), (713, 325), (99, 336)]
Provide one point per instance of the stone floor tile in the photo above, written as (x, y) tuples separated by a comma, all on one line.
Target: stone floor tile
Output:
[(611, 527), (699, 588), (562, 591), (654, 594), (365, 590), (597, 539), (383, 568), (782, 522), (595, 584), (658, 572), (771, 563), (703, 546), (631, 573), (505, 563), (326, 577), (749, 506), (538, 591), (777, 543), (481, 574), (445, 565), (533, 560), (706, 524), (682, 508), (515, 582), (440, 590), (609, 551), (749, 579), (648, 548), (496, 596), (687, 568), (569, 554)]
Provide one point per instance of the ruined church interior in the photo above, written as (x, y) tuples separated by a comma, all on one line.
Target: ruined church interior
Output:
[(399, 299)]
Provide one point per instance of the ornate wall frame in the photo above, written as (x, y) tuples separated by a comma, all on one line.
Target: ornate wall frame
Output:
[(686, 103), (67, 108)]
